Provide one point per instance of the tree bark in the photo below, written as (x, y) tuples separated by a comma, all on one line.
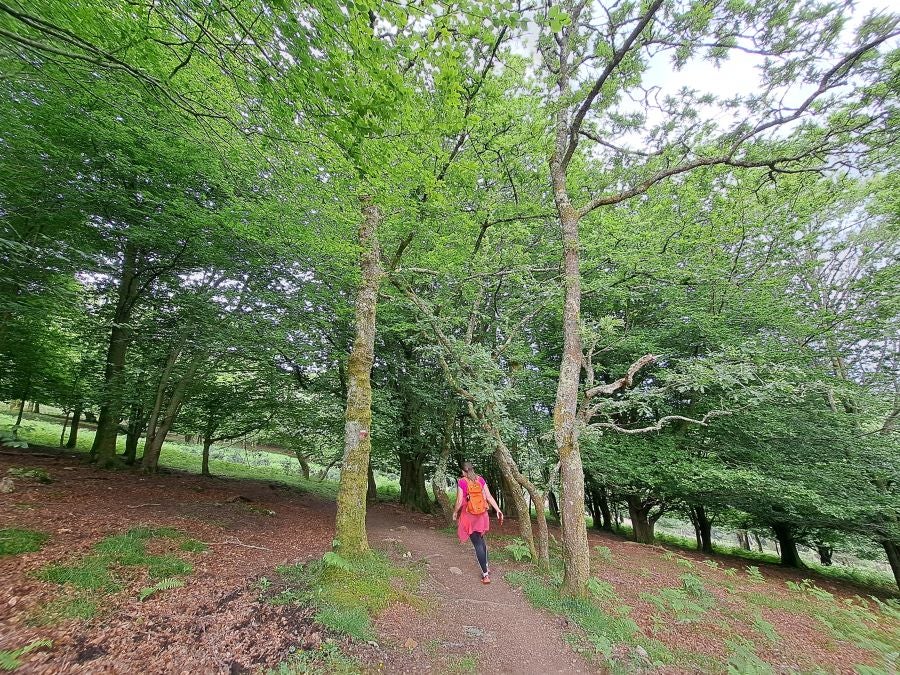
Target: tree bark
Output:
[(576, 556), (204, 462), (350, 522), (553, 504), (825, 552), (703, 526), (439, 480), (371, 486), (103, 451), (22, 408), (893, 555), (412, 482), (304, 464), (641, 524), (156, 436), (788, 545), (73, 428), (62, 434)]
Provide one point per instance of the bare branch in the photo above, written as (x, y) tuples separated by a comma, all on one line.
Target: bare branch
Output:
[(623, 382), (660, 423)]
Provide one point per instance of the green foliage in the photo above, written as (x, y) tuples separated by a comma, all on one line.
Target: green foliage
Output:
[(687, 604), (518, 549), (346, 593), (462, 664), (77, 608), (10, 659), (324, 659), (765, 628), (164, 585), (744, 661), (14, 541), (598, 629), (193, 546), (754, 574), (37, 473), (92, 572), (604, 553)]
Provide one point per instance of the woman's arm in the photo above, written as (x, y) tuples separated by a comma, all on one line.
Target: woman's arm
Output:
[(490, 500), (459, 502)]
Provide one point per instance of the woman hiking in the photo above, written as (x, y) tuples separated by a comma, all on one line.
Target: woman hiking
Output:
[(471, 514)]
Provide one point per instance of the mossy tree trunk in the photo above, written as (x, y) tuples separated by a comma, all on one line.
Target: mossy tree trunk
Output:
[(350, 522)]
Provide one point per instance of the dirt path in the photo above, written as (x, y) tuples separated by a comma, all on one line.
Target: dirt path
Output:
[(493, 624)]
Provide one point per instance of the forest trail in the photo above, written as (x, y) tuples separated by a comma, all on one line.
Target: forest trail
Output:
[(494, 624), (213, 623)]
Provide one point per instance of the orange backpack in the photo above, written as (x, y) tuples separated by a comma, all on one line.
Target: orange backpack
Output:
[(475, 501)]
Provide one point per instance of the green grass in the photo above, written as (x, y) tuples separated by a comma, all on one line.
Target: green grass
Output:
[(193, 546), (323, 660), (599, 630), (347, 594), (77, 608), (253, 465), (464, 664), (14, 541), (92, 572)]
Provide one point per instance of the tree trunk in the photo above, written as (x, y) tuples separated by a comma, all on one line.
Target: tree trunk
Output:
[(576, 556), (204, 463), (825, 552), (759, 546), (350, 522), (21, 412), (553, 504), (372, 487), (412, 482), (103, 451), (703, 527), (157, 436), (893, 555), (788, 545), (743, 539), (642, 528), (72, 442), (304, 464), (133, 437), (62, 434), (439, 480)]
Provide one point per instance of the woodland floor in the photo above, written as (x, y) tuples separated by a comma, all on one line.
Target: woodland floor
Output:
[(654, 610)]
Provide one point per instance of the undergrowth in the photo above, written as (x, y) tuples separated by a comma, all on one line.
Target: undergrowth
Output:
[(325, 659), (346, 593), (599, 631), (93, 572), (15, 540)]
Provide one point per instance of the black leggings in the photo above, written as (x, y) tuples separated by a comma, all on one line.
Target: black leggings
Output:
[(480, 550)]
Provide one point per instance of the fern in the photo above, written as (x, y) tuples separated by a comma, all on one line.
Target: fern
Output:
[(602, 590), (164, 585), (518, 549), (754, 573), (604, 553), (332, 559), (9, 658)]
